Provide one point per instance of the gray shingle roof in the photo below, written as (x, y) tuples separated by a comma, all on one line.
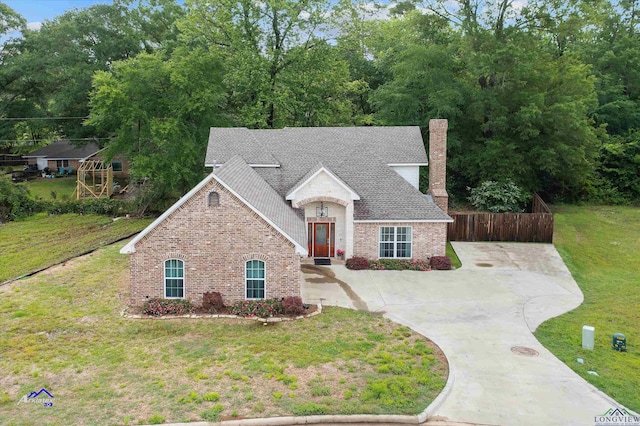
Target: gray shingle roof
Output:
[(243, 180), (357, 155), (63, 150), (236, 141)]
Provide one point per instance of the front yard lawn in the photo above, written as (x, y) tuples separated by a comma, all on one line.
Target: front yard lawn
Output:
[(42, 240), (601, 247), (62, 330)]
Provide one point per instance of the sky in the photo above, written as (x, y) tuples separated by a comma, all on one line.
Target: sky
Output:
[(36, 11)]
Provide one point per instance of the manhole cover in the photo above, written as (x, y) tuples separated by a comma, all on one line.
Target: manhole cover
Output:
[(484, 265), (522, 350)]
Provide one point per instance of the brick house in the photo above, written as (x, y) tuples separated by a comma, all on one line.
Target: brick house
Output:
[(61, 156), (276, 196)]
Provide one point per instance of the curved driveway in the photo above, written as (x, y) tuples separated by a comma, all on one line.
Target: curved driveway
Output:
[(477, 315)]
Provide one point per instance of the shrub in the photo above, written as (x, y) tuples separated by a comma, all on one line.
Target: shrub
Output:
[(357, 263), (400, 264), (497, 197), (14, 201), (293, 305), (257, 308), (103, 206), (212, 301), (160, 307), (441, 263)]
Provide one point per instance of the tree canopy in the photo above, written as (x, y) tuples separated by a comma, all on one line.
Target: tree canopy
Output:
[(546, 94)]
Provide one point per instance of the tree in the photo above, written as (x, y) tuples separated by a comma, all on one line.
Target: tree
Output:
[(159, 110), (268, 47), (516, 111)]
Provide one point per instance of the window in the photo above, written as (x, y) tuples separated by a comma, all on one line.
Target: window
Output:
[(174, 279), (214, 199), (62, 163), (117, 166), (395, 241), (255, 279)]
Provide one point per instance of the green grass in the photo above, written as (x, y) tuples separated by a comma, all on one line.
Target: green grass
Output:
[(104, 369), (601, 247), (41, 188), (451, 253), (39, 241)]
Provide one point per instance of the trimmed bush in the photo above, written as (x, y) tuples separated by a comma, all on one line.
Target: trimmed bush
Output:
[(400, 264), (212, 301), (257, 308), (293, 305), (160, 307), (357, 263), (441, 263)]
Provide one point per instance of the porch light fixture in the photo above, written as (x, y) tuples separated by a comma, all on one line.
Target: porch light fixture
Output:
[(322, 211)]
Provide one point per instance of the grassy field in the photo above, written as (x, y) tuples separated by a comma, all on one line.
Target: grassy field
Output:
[(43, 188), (601, 247), (62, 331), (40, 240)]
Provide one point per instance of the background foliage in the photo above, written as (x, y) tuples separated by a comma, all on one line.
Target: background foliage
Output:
[(546, 94)]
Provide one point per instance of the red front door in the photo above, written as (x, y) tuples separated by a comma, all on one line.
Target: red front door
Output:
[(321, 240)]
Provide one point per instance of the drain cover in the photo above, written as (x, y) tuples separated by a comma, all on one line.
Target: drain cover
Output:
[(524, 351)]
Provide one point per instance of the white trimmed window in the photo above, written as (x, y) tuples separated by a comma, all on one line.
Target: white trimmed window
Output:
[(255, 279), (174, 279), (395, 242)]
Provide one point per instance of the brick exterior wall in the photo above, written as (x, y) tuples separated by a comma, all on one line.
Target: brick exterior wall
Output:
[(438, 163), (428, 239), (214, 243)]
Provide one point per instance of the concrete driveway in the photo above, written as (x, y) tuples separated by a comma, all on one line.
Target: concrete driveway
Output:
[(482, 316)]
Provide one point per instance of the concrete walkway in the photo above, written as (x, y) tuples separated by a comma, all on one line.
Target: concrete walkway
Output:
[(482, 316)]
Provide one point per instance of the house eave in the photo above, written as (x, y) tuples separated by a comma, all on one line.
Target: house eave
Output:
[(255, 166), (404, 221)]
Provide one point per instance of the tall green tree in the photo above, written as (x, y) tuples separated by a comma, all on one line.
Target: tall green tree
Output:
[(158, 110), (273, 50), (516, 110)]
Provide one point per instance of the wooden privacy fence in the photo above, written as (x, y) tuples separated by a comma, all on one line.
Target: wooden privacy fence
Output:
[(521, 227)]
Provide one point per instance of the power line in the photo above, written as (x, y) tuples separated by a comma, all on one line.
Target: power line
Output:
[(62, 139), (40, 118)]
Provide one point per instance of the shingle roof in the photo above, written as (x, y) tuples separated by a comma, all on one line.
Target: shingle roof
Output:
[(63, 150), (357, 155), (237, 141), (244, 181)]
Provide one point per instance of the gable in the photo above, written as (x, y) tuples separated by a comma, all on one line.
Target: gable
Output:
[(239, 180), (320, 181)]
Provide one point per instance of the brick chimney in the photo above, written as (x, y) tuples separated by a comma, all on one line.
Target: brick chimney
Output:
[(438, 163)]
